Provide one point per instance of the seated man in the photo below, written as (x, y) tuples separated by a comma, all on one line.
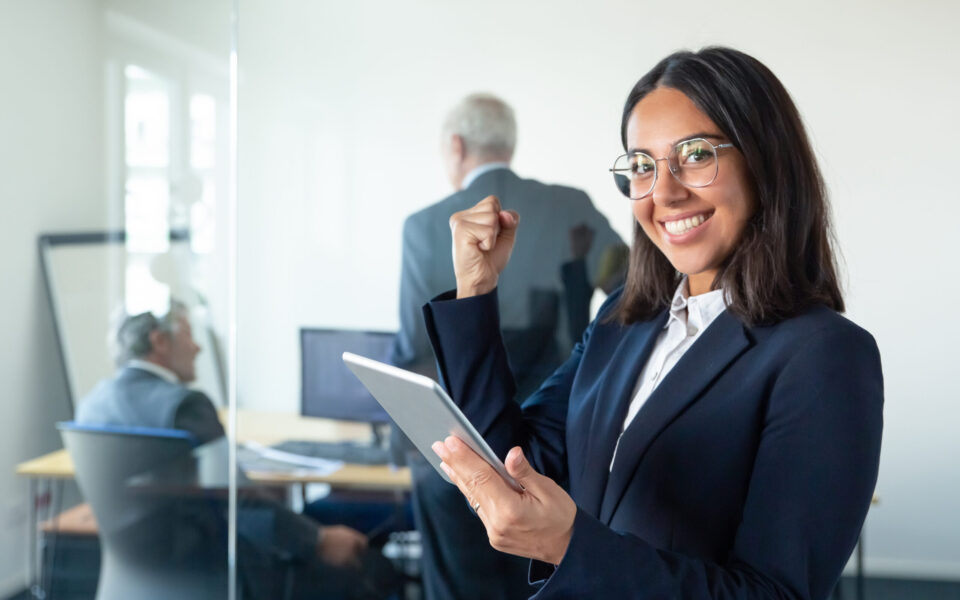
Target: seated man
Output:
[(156, 360)]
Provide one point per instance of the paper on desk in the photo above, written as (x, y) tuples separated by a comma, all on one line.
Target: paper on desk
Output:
[(263, 458)]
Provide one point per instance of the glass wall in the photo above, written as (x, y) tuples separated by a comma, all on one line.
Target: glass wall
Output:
[(119, 171)]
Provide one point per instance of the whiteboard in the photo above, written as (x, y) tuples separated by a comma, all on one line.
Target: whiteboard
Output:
[(92, 279)]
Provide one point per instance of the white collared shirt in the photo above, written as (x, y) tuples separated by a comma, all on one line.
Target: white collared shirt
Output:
[(478, 171), (161, 372), (689, 317)]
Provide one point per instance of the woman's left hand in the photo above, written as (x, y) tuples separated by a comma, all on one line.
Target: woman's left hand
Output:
[(535, 523)]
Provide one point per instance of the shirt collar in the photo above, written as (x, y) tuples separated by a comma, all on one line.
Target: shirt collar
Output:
[(161, 372), (478, 171), (697, 310)]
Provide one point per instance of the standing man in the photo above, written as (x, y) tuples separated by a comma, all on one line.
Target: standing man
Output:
[(544, 304)]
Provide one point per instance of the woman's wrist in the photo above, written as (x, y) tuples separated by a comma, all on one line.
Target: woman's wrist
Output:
[(560, 548), (468, 291), (560, 544)]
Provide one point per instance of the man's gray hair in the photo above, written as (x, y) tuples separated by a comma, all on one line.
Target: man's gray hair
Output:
[(133, 333), (486, 124)]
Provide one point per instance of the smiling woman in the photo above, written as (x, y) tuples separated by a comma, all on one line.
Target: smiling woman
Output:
[(716, 433)]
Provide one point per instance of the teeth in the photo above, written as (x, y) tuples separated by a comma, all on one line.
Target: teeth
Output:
[(681, 226)]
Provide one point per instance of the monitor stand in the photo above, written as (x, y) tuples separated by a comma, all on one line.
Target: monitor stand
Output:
[(380, 434)]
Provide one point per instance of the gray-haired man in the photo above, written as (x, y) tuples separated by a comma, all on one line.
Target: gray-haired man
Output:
[(563, 235)]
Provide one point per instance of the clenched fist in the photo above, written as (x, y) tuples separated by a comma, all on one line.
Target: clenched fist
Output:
[(483, 238)]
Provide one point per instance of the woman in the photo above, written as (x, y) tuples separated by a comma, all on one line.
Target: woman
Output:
[(716, 433)]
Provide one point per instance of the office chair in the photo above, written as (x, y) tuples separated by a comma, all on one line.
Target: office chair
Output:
[(154, 546)]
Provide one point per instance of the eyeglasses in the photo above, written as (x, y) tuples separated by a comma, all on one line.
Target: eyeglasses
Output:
[(692, 162)]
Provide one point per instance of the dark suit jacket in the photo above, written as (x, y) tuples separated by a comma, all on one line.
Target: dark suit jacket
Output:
[(746, 474)]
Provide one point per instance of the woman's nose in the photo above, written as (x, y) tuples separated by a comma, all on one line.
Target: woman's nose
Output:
[(666, 189)]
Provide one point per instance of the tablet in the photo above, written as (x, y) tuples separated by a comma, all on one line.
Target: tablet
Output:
[(422, 409)]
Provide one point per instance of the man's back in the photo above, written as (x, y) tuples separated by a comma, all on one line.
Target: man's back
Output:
[(136, 397)]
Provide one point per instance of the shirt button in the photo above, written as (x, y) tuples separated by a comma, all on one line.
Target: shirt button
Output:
[(691, 331)]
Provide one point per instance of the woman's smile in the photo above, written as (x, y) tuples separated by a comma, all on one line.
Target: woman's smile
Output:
[(682, 228)]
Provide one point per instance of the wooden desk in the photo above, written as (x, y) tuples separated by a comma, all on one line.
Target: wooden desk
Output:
[(56, 465), (270, 428)]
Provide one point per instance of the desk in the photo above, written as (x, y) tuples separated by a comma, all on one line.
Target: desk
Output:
[(264, 428), (269, 428)]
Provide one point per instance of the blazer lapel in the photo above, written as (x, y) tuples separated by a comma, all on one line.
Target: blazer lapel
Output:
[(722, 342), (613, 399)]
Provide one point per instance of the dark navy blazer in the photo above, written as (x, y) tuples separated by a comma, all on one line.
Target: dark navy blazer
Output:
[(746, 474)]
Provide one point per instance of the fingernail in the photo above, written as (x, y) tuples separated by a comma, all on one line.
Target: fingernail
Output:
[(446, 469), (437, 447), (451, 443)]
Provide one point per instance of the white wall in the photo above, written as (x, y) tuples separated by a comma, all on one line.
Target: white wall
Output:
[(51, 178), (340, 109)]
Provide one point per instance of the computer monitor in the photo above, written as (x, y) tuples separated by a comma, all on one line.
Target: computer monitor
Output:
[(328, 388)]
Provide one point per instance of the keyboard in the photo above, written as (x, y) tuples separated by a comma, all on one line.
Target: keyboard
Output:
[(350, 452)]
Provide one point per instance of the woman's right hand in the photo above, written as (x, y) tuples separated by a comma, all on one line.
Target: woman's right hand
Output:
[(483, 238)]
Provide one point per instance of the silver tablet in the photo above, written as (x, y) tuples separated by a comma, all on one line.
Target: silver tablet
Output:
[(422, 409)]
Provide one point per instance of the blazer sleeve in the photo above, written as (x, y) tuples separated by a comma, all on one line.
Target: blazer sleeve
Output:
[(475, 371)]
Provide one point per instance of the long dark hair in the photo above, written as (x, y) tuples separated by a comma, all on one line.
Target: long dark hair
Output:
[(783, 262)]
